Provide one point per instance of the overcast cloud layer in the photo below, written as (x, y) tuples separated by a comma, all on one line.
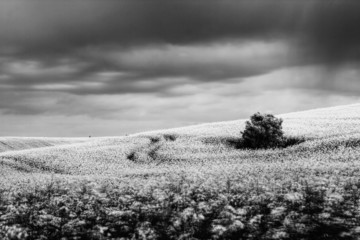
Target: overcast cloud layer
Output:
[(107, 67)]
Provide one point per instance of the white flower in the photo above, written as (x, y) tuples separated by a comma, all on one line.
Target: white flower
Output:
[(336, 197), (324, 215), (116, 213), (241, 211), (218, 229), (278, 211), (293, 197), (236, 226)]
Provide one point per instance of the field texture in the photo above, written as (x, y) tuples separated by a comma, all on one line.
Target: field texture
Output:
[(187, 183)]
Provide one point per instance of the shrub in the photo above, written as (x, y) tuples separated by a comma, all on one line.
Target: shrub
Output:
[(263, 131), (170, 137), (153, 153), (132, 156), (154, 139)]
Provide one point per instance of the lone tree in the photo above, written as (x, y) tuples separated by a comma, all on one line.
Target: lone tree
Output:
[(263, 131)]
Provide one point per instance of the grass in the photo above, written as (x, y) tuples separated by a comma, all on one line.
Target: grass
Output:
[(189, 183), (21, 143)]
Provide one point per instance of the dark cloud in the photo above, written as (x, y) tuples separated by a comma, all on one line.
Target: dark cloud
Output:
[(67, 45), (145, 69), (332, 30), (325, 31), (329, 28), (208, 62), (53, 25)]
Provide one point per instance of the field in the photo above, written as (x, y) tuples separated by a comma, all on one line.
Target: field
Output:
[(187, 183)]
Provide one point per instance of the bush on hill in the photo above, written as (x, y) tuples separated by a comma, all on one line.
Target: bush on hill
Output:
[(265, 131)]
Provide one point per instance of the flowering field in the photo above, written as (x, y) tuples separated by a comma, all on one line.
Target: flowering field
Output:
[(21, 143), (188, 183)]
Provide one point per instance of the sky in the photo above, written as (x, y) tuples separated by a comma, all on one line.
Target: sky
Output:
[(76, 68)]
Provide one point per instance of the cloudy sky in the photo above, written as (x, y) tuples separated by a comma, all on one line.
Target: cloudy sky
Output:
[(111, 67)]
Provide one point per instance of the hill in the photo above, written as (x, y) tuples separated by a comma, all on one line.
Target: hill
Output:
[(21, 143), (323, 128), (193, 180)]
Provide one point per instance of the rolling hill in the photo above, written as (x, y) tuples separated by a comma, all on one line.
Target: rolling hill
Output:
[(326, 128), (21, 143)]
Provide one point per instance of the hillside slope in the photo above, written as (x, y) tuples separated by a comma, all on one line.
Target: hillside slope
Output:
[(21, 143), (328, 128), (312, 123)]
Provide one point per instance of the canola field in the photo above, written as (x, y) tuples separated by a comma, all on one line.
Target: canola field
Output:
[(187, 183)]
